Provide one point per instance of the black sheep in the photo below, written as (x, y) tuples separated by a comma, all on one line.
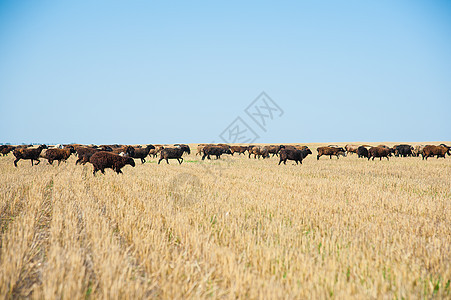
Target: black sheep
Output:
[(103, 160)]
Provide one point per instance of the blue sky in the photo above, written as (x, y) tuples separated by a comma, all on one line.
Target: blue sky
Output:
[(181, 71)]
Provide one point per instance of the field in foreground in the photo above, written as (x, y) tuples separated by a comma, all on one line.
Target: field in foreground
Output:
[(228, 228)]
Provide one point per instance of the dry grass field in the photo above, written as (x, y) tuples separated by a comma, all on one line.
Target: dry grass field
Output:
[(229, 228)]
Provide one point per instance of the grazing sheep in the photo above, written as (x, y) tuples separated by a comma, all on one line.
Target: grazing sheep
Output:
[(172, 153), (102, 160), (141, 153), (31, 154), (59, 154)]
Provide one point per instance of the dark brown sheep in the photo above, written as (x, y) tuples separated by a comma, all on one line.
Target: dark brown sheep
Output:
[(295, 147), (27, 153), (379, 152), (5, 149), (296, 155), (106, 160), (216, 150), (362, 152), (431, 150), (330, 151), (84, 153), (184, 147), (274, 149), (239, 149), (141, 153), (59, 154), (172, 153)]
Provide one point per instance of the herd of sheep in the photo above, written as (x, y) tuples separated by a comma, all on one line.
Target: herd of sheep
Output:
[(116, 157)]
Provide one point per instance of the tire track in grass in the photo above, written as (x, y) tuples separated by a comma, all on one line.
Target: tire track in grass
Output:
[(31, 273), (86, 251), (11, 210), (139, 272)]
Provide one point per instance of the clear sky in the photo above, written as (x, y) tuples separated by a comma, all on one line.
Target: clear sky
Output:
[(182, 71)]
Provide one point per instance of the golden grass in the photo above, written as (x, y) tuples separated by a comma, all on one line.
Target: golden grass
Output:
[(232, 228)]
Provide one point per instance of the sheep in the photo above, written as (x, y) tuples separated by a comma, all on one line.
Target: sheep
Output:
[(102, 160), (128, 150), (5, 149), (184, 147), (259, 151), (216, 150), (31, 154), (154, 152), (84, 153), (59, 154), (142, 153), (172, 153)]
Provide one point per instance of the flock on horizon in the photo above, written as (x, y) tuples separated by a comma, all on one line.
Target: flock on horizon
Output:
[(117, 156)]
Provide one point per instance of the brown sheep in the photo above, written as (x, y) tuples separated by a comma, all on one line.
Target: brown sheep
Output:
[(259, 151), (84, 153), (200, 148), (295, 147), (154, 152), (431, 150), (330, 151), (379, 152), (351, 148), (26, 153), (239, 149), (5, 149), (274, 149), (59, 154), (102, 160)]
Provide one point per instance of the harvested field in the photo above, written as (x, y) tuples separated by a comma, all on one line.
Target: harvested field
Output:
[(229, 228)]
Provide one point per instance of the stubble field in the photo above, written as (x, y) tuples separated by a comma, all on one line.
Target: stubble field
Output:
[(229, 228)]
